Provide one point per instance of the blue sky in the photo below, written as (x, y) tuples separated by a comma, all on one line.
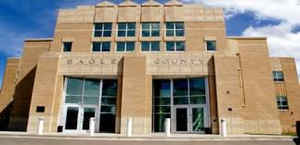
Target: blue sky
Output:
[(21, 19)]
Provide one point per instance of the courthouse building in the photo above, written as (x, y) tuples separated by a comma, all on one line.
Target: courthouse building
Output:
[(148, 62)]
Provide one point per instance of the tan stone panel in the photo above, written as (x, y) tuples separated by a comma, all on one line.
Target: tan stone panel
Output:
[(136, 84), (128, 14), (9, 83), (174, 14), (44, 91), (152, 14), (289, 117), (106, 14), (83, 14), (81, 34)]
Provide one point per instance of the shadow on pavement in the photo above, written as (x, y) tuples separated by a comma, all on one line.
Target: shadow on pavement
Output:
[(297, 141)]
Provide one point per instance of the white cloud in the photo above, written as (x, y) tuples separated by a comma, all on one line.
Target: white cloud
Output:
[(282, 40)]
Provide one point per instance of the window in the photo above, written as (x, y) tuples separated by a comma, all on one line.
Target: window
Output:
[(150, 46), (102, 30), (40, 109), (175, 29), (67, 46), (125, 46), (150, 29), (175, 46), (126, 29), (211, 45), (278, 76), (101, 46), (161, 104), (282, 103)]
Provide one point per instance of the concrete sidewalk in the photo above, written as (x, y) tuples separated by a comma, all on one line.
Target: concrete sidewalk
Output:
[(154, 137)]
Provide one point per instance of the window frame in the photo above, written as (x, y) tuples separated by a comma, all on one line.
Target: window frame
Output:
[(175, 46), (101, 47), (280, 103), (174, 29), (126, 29), (151, 29), (125, 49), (63, 46), (206, 46), (276, 77), (102, 30), (150, 47)]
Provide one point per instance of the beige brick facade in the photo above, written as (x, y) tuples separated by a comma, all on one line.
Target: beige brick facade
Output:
[(238, 74)]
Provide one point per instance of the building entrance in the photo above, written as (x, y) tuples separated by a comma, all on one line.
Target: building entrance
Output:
[(189, 119), (185, 101), (86, 99)]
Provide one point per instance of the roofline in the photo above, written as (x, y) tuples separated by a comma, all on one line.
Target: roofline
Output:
[(16, 57), (245, 37), (38, 39)]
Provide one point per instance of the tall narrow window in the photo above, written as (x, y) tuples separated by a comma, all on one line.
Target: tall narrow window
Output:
[(101, 46), (126, 29), (175, 29), (162, 104), (150, 46), (102, 29), (175, 46), (211, 45), (282, 103), (278, 76), (150, 29), (67, 46), (125, 46)]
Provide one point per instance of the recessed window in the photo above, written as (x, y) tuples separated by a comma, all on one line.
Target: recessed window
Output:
[(125, 46), (150, 29), (40, 109), (211, 45), (67, 46), (101, 46), (102, 30), (126, 29), (282, 103), (175, 46), (150, 46), (278, 76), (175, 29)]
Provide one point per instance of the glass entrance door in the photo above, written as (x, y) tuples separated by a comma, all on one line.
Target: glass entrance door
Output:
[(71, 122), (189, 119), (181, 119), (197, 119), (78, 118), (86, 99)]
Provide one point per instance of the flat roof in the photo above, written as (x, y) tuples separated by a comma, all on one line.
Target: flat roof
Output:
[(245, 37), (38, 39)]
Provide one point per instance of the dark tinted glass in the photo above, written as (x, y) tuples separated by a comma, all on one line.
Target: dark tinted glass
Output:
[(162, 88), (180, 46), (145, 46), (211, 45), (67, 46), (109, 88), (197, 86), (170, 46), (120, 46), (130, 46), (105, 46), (180, 87), (107, 26), (96, 46), (131, 26), (155, 46)]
